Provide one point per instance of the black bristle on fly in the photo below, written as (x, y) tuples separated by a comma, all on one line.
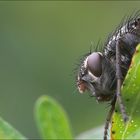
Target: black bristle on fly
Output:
[(103, 71)]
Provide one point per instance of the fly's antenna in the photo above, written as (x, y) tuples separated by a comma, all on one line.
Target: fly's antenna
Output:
[(91, 46), (98, 47)]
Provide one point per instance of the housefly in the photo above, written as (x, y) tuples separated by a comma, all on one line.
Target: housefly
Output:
[(102, 72)]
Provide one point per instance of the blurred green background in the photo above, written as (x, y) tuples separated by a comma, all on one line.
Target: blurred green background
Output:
[(40, 42)]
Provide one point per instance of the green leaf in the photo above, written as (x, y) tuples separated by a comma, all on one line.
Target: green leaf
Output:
[(8, 132), (51, 119), (131, 98)]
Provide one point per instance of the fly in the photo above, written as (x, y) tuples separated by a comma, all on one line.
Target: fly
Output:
[(102, 73)]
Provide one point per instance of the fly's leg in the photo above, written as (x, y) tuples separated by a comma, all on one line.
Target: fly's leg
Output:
[(119, 81), (109, 117), (117, 96)]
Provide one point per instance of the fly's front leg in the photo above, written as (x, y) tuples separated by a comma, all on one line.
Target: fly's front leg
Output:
[(119, 80), (109, 117)]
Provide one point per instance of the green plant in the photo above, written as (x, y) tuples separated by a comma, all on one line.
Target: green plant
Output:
[(51, 120)]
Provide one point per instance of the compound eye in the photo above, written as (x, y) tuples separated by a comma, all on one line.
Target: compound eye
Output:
[(94, 64)]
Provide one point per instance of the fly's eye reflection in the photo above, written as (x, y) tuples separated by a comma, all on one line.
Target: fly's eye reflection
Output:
[(94, 64)]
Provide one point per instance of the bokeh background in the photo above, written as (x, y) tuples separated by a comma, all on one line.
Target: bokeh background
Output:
[(40, 44)]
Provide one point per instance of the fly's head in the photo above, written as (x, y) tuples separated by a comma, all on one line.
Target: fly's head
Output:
[(93, 75)]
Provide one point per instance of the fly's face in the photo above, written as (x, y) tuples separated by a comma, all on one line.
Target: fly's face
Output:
[(90, 73), (97, 75)]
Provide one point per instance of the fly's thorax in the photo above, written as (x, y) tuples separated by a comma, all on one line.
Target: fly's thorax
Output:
[(129, 41)]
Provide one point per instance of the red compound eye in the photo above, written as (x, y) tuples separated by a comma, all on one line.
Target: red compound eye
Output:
[(94, 64)]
